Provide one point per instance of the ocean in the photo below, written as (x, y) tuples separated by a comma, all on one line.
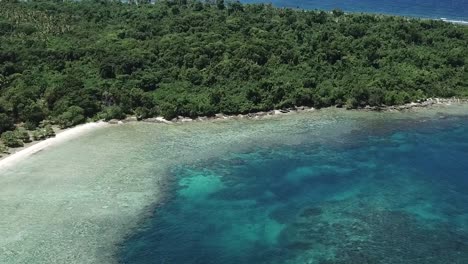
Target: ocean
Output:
[(435, 9)]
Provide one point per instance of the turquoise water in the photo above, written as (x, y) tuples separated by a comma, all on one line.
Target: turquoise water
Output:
[(388, 191), (450, 9)]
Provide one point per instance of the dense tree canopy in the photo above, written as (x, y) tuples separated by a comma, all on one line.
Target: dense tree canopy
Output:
[(68, 61)]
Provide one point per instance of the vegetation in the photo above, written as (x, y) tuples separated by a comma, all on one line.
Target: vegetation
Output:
[(3, 149), (22, 135), (43, 133), (10, 139), (73, 116), (70, 61)]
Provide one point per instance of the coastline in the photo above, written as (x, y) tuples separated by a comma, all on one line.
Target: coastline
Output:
[(431, 102), (458, 22), (17, 154), (29, 149)]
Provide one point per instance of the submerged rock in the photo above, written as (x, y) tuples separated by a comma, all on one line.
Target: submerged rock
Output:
[(186, 119), (131, 119), (220, 116)]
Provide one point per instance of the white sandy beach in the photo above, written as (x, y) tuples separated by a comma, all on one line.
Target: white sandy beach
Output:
[(62, 136)]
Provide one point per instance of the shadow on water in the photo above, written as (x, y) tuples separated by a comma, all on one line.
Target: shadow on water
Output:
[(390, 194)]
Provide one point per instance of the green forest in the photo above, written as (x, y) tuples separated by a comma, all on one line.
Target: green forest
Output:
[(62, 63)]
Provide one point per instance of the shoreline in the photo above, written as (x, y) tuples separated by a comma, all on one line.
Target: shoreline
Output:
[(452, 20), (431, 102), (17, 154)]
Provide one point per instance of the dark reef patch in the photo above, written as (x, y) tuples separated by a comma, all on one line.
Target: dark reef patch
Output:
[(371, 235)]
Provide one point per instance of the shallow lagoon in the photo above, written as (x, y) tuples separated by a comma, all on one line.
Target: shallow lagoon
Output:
[(328, 186)]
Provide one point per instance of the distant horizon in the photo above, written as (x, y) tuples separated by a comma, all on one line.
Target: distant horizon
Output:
[(457, 10)]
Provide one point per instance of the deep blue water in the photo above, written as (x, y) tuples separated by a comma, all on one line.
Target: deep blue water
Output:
[(450, 9), (396, 193)]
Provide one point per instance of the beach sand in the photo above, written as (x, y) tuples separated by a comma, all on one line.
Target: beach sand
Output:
[(62, 136)]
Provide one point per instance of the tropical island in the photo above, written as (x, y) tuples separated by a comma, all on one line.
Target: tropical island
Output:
[(273, 168), (62, 64)]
